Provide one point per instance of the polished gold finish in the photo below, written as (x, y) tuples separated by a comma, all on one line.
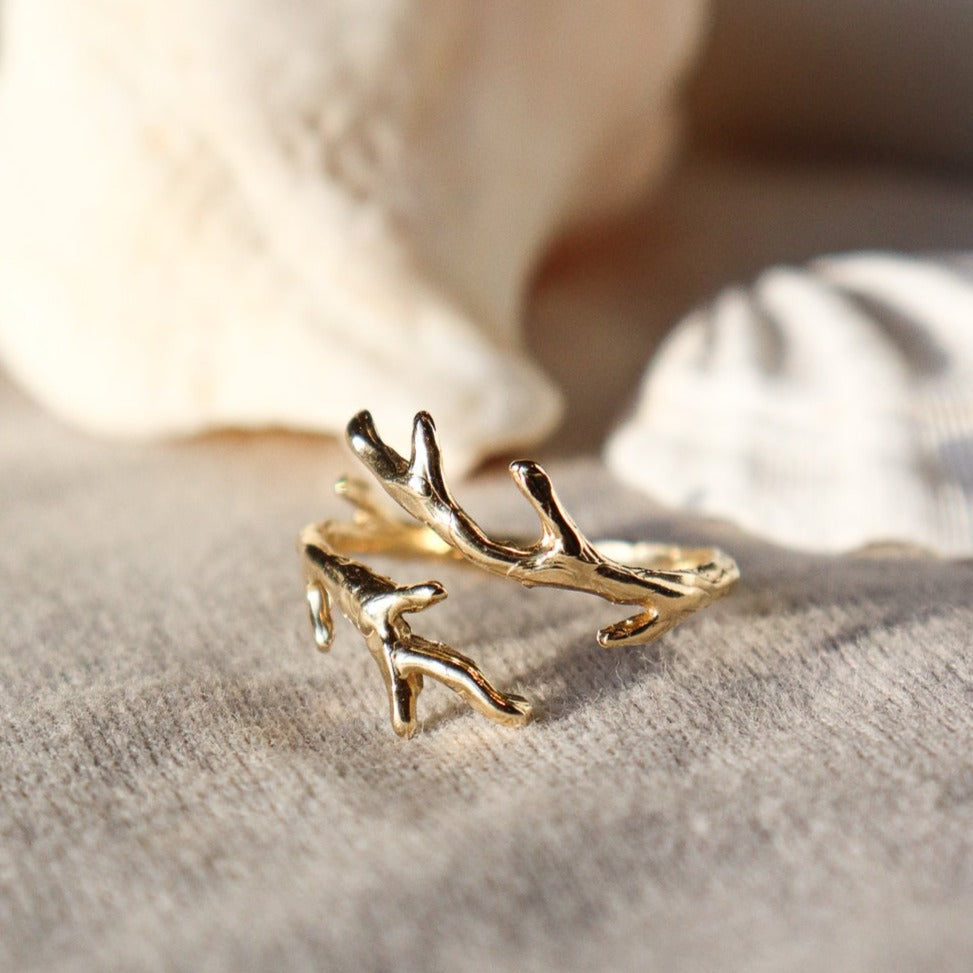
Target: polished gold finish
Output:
[(667, 583)]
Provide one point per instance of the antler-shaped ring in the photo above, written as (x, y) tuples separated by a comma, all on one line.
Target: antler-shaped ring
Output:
[(666, 583)]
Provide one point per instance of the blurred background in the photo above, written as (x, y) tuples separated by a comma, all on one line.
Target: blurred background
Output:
[(176, 160), (813, 127)]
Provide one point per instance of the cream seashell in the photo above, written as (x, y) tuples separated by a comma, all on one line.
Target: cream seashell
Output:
[(825, 408), (261, 212)]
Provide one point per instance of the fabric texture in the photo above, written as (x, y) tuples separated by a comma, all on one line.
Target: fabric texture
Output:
[(784, 782)]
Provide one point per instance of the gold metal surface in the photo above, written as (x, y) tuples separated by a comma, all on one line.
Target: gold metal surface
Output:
[(667, 583)]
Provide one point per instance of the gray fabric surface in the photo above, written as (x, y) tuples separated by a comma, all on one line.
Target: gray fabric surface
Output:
[(783, 783)]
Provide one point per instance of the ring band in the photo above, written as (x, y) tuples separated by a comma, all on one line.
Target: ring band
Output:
[(667, 583)]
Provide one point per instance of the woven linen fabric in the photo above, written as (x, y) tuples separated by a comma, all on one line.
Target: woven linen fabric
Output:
[(785, 782)]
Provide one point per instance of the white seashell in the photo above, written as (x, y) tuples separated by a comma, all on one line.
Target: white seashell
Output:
[(253, 212), (824, 408)]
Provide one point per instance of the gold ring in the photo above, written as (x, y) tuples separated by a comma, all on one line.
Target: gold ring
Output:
[(667, 583)]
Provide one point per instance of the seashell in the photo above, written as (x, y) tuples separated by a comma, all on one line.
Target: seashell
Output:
[(273, 213), (825, 408)]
